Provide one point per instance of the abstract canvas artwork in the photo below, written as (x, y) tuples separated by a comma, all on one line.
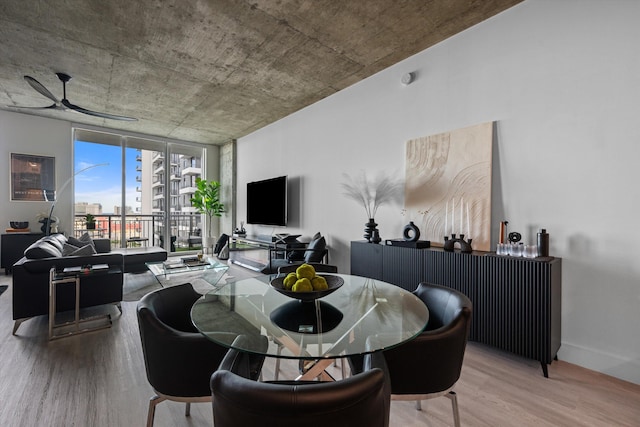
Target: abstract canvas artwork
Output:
[(448, 185), (33, 178)]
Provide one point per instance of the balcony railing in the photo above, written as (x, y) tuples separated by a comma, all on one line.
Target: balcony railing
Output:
[(145, 230)]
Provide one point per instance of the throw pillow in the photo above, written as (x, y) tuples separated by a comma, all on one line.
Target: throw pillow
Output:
[(315, 255), (81, 241), (224, 252), (39, 250), (87, 239), (296, 255), (86, 250), (54, 240), (222, 241), (68, 249)]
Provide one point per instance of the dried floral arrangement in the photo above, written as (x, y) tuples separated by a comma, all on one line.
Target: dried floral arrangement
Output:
[(373, 192)]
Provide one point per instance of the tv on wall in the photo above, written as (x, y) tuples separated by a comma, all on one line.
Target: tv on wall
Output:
[(267, 201)]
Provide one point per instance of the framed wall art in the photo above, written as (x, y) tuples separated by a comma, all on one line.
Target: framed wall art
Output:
[(33, 178), (448, 184)]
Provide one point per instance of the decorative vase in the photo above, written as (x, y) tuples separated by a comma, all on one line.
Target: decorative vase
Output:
[(375, 236), (48, 230), (207, 244), (411, 232), (369, 228)]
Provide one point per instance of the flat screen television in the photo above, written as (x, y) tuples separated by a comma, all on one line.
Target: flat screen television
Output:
[(267, 201)]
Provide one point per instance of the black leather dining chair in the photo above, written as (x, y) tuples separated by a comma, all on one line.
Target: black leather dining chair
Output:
[(361, 400), (179, 360), (429, 365)]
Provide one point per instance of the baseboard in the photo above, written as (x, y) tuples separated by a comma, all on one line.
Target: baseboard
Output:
[(606, 363)]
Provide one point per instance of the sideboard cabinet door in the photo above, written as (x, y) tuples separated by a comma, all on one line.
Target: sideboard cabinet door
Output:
[(366, 259), (403, 266), (518, 306)]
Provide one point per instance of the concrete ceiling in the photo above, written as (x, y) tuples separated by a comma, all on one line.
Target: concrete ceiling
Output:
[(211, 70)]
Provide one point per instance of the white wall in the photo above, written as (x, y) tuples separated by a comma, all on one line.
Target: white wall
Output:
[(562, 81), (24, 134)]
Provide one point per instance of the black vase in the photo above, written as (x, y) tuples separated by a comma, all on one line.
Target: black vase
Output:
[(46, 230), (411, 232), (369, 228)]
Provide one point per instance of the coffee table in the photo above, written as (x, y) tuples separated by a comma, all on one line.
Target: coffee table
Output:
[(210, 269)]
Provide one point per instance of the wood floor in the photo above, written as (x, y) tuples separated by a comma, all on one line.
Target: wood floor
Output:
[(98, 379)]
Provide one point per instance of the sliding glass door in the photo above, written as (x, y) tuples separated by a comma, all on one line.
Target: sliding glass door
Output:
[(142, 195), (97, 184)]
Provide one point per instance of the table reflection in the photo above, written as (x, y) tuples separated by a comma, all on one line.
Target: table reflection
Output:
[(314, 317)]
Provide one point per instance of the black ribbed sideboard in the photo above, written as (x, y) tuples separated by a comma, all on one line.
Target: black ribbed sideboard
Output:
[(516, 301)]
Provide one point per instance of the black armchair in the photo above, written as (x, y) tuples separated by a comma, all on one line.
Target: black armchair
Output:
[(429, 365), (179, 360), (361, 400)]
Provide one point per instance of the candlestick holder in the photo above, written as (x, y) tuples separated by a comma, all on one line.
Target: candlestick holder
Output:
[(465, 245)]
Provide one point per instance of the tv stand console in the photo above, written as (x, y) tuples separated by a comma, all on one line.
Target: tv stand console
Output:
[(261, 241), (254, 252), (249, 251), (516, 301)]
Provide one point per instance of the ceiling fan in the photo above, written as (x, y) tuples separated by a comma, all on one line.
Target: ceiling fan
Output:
[(64, 104)]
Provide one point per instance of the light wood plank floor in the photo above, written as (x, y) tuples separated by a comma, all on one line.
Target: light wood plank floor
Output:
[(98, 379)]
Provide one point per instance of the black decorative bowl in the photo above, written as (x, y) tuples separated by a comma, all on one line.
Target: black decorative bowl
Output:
[(19, 224), (334, 283)]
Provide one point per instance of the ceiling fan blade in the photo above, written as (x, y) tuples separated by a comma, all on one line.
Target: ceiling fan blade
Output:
[(67, 104), (50, 107), (41, 89)]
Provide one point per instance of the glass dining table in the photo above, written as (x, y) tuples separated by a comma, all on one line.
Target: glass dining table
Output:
[(341, 324)]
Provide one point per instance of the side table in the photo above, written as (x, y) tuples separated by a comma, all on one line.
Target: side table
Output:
[(77, 325)]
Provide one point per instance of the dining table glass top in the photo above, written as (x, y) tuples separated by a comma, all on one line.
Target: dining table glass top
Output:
[(363, 316)]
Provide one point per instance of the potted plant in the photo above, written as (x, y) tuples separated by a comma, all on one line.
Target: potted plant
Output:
[(206, 200), (90, 221)]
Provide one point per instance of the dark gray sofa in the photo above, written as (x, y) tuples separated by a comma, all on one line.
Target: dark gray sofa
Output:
[(31, 275), (134, 259)]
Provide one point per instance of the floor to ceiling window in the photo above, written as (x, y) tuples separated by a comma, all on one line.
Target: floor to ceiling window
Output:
[(139, 190)]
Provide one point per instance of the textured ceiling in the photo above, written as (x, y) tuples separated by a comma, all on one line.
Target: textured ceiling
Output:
[(211, 70)]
